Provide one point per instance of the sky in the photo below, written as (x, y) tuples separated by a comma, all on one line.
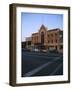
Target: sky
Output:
[(31, 22)]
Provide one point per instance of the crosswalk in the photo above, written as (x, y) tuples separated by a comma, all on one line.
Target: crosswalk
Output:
[(36, 70)]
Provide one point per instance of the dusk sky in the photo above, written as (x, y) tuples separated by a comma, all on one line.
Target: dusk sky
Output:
[(31, 22)]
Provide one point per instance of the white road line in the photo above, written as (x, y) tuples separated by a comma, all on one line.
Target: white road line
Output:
[(56, 69), (38, 69)]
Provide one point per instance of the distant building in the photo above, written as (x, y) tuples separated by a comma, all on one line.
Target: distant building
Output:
[(46, 39)]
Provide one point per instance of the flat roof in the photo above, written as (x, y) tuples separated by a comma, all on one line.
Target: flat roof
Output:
[(56, 29)]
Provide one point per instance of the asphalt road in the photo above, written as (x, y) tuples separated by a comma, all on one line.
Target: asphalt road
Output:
[(41, 64)]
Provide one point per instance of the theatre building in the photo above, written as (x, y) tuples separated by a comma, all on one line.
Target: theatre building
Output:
[(45, 39)]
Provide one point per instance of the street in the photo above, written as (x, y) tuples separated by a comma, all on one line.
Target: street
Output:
[(41, 64)]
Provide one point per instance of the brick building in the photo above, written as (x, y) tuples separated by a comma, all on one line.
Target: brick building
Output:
[(46, 39)]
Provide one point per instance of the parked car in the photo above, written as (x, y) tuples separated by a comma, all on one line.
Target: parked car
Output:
[(44, 50), (35, 50)]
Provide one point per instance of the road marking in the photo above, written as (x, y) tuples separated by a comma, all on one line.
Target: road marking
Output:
[(56, 69), (32, 72)]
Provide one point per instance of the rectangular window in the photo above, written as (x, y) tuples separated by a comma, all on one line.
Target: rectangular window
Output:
[(51, 35), (51, 41), (56, 41), (48, 35), (55, 34)]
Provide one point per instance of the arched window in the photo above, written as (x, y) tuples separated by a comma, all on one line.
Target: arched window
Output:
[(42, 37)]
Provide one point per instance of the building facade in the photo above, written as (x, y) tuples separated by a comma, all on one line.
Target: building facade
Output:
[(46, 39)]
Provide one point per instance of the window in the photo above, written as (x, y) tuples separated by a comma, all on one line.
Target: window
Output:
[(51, 41), (48, 35), (42, 37), (52, 35), (55, 34), (56, 41)]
